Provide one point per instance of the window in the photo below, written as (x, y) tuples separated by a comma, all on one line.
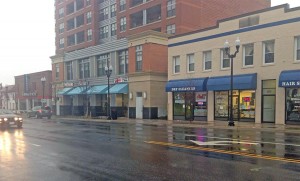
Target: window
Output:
[(249, 21), (79, 4), (88, 17), (69, 70), (137, 19), (176, 64), (61, 43), (80, 37), (89, 34), (88, 2), (207, 60), (113, 11), (113, 29), (139, 57), (61, 13), (225, 61), (268, 52), (104, 14), (56, 71), (136, 2), (292, 104), (297, 48), (171, 8), (71, 40), (79, 20), (61, 27), (123, 61), (171, 29), (84, 68), (101, 64), (153, 14), (70, 24), (123, 24), (104, 32), (248, 51), (70, 8), (191, 63), (122, 5)]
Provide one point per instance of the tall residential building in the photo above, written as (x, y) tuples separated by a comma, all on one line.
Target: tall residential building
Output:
[(93, 34)]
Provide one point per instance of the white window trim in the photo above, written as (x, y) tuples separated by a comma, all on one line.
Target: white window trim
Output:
[(205, 61), (221, 61), (174, 61), (244, 55), (188, 62), (264, 52), (295, 51)]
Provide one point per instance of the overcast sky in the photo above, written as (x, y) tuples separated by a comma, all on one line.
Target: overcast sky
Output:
[(27, 36)]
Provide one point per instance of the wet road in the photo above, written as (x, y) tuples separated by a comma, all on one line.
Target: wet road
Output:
[(76, 150)]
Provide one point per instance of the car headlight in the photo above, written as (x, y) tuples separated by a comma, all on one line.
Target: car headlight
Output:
[(16, 119), (5, 119), (20, 119)]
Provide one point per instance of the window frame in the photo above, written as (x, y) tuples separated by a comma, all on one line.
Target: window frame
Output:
[(171, 8), (188, 58), (138, 58), (84, 68), (205, 60), (297, 48), (101, 64), (223, 53), (264, 52), (176, 64), (244, 54), (123, 24), (171, 29)]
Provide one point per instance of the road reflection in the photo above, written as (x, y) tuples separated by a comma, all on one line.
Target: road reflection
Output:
[(12, 144)]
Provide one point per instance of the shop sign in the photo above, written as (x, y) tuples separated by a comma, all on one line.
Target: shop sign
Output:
[(174, 89), (68, 84), (290, 83), (121, 79), (200, 97), (29, 94)]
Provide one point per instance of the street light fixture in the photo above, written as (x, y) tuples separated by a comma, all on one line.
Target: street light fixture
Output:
[(43, 80), (108, 71), (231, 56)]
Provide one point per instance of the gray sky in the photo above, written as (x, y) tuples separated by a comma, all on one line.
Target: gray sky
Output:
[(27, 36)]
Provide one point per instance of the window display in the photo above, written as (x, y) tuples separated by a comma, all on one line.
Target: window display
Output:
[(221, 104), (200, 108), (247, 104), (293, 104), (179, 104)]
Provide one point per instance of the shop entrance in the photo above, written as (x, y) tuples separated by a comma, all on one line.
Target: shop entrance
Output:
[(235, 107), (269, 109)]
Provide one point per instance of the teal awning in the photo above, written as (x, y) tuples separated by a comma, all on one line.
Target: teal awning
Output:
[(118, 89), (76, 91), (97, 89), (63, 91)]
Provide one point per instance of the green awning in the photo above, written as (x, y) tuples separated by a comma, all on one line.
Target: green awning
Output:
[(63, 91), (76, 91), (97, 89), (118, 89)]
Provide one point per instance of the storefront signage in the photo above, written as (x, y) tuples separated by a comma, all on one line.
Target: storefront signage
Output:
[(120, 79), (174, 89), (29, 94), (290, 83), (68, 84)]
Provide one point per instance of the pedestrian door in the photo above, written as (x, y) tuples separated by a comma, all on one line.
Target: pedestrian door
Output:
[(139, 105)]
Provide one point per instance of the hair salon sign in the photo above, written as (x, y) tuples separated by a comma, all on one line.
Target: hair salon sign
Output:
[(290, 83)]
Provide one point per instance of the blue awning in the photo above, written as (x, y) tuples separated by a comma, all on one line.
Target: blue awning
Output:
[(118, 89), (240, 82), (97, 89), (64, 91), (184, 85), (289, 78), (76, 91)]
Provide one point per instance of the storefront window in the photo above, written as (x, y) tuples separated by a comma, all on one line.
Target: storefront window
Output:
[(247, 104), (293, 104), (179, 104), (221, 104), (200, 108)]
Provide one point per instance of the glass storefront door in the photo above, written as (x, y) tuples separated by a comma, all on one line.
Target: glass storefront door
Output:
[(269, 109)]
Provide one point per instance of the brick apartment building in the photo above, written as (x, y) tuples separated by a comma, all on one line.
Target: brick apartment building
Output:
[(91, 34)]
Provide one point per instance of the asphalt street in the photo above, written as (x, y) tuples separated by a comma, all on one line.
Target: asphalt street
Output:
[(61, 149)]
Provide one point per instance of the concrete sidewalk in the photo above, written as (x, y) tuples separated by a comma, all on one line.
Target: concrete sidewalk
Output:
[(196, 124)]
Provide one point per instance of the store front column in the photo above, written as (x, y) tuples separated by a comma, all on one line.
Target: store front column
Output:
[(280, 106), (210, 107)]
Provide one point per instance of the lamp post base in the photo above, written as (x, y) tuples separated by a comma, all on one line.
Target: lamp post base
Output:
[(109, 118), (230, 123)]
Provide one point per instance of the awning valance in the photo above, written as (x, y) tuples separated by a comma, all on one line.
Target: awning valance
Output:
[(63, 91), (118, 89), (97, 89), (76, 91), (240, 82), (289, 78), (184, 85)]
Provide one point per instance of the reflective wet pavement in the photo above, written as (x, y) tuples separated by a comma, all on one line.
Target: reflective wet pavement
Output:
[(86, 150)]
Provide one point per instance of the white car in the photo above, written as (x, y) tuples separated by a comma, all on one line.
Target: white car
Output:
[(8, 119)]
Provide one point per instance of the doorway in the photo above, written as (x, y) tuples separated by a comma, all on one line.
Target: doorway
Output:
[(269, 109), (139, 105)]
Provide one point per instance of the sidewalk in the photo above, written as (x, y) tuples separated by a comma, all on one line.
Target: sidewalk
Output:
[(196, 124)]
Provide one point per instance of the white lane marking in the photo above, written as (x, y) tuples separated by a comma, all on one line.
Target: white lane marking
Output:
[(221, 143), (251, 141)]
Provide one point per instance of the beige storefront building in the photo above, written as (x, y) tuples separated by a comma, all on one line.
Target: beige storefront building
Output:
[(266, 69)]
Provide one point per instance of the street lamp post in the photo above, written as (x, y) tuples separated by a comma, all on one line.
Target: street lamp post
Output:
[(43, 80), (231, 56), (108, 71), (86, 97)]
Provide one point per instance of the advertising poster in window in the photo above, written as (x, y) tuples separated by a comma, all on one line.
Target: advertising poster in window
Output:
[(293, 104), (200, 108)]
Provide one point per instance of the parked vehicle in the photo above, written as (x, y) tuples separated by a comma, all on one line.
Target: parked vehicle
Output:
[(40, 112), (8, 118)]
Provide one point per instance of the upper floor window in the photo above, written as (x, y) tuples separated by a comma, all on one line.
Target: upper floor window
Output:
[(153, 14), (171, 29), (104, 32), (176, 64), (89, 34), (207, 60), (79, 4), (102, 61), (113, 29), (84, 68), (171, 8), (71, 40), (190, 63), (297, 48), (123, 62), (225, 61), (122, 5), (70, 24), (88, 2), (113, 10), (104, 14), (89, 17), (248, 51), (79, 37), (61, 43), (139, 57), (136, 2), (70, 8), (268, 49), (57, 71), (249, 21), (69, 69), (79, 20), (61, 27), (123, 24), (61, 13)]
